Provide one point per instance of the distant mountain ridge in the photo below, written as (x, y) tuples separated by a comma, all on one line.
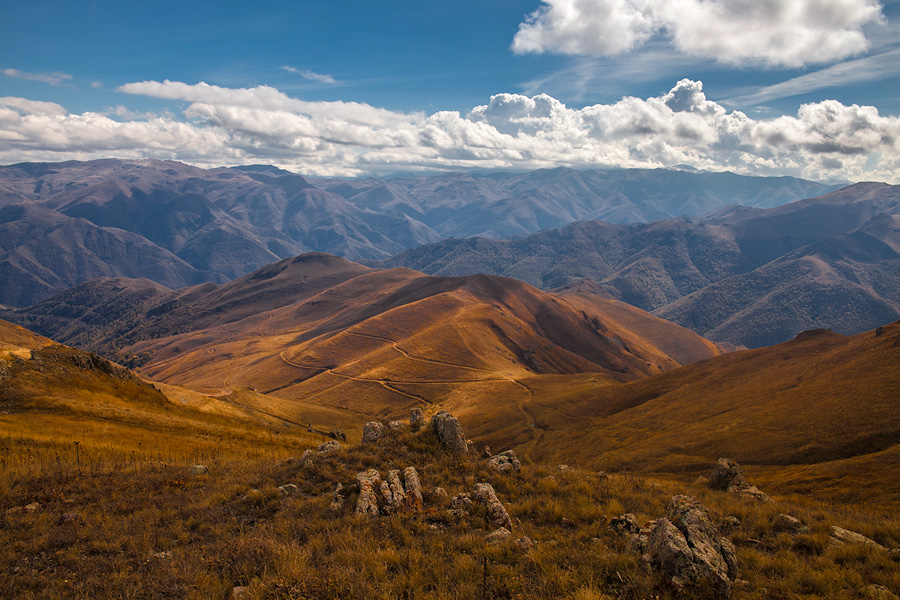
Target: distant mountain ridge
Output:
[(64, 223), (748, 276)]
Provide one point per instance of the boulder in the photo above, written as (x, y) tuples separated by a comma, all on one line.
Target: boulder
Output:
[(688, 549), (372, 431), (413, 491), (501, 534), (840, 536), (783, 522), (289, 489), (449, 432), (729, 477), (416, 419), (306, 459), (484, 493), (623, 524), (505, 462), (198, 470), (396, 425), (367, 503), (328, 447), (33, 507), (397, 495)]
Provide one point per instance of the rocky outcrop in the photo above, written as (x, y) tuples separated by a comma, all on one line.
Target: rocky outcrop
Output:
[(449, 432), (840, 536), (372, 431), (688, 549), (729, 477), (497, 515), (325, 448), (505, 462), (367, 503)]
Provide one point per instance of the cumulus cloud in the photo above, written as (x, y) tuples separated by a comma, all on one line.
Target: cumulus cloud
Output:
[(769, 32), (311, 75), (825, 140), (49, 78)]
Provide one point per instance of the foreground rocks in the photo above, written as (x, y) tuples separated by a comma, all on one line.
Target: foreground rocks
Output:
[(496, 512), (505, 462), (690, 552)]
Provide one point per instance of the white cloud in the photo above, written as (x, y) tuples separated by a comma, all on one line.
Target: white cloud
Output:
[(49, 78), (825, 140), (770, 32), (312, 75)]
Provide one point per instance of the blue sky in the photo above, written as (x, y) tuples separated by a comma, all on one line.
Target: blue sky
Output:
[(370, 87)]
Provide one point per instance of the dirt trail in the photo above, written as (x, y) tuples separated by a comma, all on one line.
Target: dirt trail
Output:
[(418, 358)]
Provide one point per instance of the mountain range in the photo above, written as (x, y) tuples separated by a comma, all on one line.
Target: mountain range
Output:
[(748, 276), (64, 223)]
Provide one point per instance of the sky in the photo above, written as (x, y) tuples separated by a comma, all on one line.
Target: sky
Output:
[(808, 88)]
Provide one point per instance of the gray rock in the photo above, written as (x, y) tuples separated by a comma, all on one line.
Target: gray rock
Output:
[(372, 431), (396, 425), (729, 477), (328, 447), (416, 419), (449, 432), (783, 522), (501, 534), (289, 489), (367, 503), (397, 497), (165, 555), (198, 470), (841, 536), (623, 524), (306, 459), (484, 493), (33, 507), (240, 592), (439, 494), (691, 552), (505, 462), (413, 489), (461, 502)]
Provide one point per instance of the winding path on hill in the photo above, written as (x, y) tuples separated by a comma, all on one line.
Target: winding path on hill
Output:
[(418, 358), (537, 431)]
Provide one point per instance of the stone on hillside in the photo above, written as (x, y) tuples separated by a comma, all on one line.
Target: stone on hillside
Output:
[(396, 425), (413, 489), (501, 534), (367, 503), (289, 489), (306, 458), (416, 419), (878, 592), (783, 522), (840, 536), (505, 462), (439, 494), (198, 470), (337, 502), (164, 555), (626, 523), (33, 507), (240, 592), (729, 477), (337, 434), (461, 502), (563, 468), (484, 493), (372, 431), (328, 447), (449, 432), (691, 552)]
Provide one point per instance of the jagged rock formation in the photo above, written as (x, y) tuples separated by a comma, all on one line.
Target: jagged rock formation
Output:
[(485, 494), (688, 549), (449, 432), (379, 496), (505, 462), (729, 477)]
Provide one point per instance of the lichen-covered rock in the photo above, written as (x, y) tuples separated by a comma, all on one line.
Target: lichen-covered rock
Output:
[(372, 431), (367, 503), (416, 419), (505, 462), (396, 425), (484, 493), (626, 523), (840, 536), (449, 432), (691, 552), (413, 500), (397, 498), (461, 502), (306, 459), (501, 534), (328, 447)]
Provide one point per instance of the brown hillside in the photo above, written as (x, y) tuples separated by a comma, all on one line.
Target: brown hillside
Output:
[(815, 413)]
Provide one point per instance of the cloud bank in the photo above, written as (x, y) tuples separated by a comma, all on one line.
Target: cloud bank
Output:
[(227, 126), (767, 32)]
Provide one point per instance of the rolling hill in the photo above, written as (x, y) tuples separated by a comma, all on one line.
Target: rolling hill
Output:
[(748, 276), (64, 223)]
